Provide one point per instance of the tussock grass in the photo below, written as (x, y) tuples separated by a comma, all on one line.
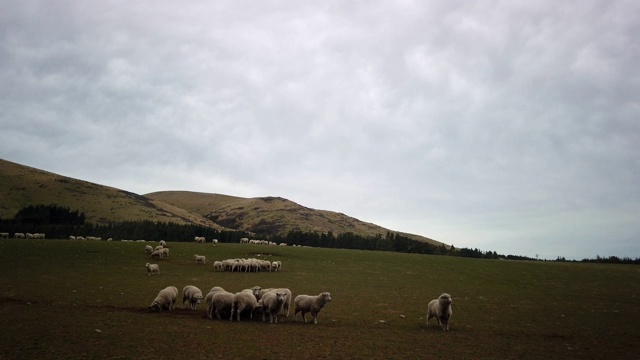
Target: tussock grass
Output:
[(54, 294)]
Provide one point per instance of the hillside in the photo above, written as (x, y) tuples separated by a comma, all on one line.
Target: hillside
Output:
[(269, 215), (21, 186)]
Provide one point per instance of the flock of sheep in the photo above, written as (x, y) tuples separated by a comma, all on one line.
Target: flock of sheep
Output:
[(228, 305), (225, 304)]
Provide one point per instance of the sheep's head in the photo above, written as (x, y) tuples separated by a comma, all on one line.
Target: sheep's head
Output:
[(155, 306), (445, 299), (256, 291), (326, 297)]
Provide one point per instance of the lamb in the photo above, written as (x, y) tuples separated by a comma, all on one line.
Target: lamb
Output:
[(200, 259), (243, 300), (440, 309), (153, 269), (259, 293), (148, 249), (166, 299), (272, 303), (310, 304), (193, 294)]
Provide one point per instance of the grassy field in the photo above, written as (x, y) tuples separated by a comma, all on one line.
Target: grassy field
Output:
[(88, 300)]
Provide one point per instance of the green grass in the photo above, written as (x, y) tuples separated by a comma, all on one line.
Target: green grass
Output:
[(55, 294)]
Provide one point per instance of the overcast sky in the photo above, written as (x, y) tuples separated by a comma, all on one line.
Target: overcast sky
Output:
[(510, 126)]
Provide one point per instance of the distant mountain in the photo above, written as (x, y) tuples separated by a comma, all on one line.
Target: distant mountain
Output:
[(270, 215), (21, 186)]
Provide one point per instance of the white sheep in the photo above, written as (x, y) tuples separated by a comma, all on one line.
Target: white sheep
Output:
[(244, 300), (221, 303), (272, 303), (310, 304), (209, 299), (440, 309), (163, 243), (259, 293), (200, 259), (193, 295), (157, 254), (217, 266), (166, 299), (153, 269), (165, 252), (148, 249)]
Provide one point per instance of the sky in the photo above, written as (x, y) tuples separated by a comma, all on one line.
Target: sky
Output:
[(508, 126)]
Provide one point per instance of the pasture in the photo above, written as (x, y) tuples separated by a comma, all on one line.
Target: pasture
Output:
[(88, 300)]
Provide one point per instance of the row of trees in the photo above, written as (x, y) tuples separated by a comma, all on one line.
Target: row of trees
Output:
[(59, 222)]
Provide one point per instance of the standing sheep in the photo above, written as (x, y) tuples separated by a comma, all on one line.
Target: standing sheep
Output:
[(310, 304), (272, 303), (148, 249), (153, 269), (166, 299), (200, 259), (259, 292), (440, 309), (244, 300), (193, 295), (221, 303)]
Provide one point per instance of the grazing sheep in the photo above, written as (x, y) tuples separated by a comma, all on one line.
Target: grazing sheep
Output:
[(70, 237), (217, 266), (272, 303), (243, 300), (157, 254), (163, 243), (166, 299), (165, 252), (193, 295), (199, 239), (148, 249), (310, 304), (209, 299), (259, 292), (221, 304), (200, 259), (153, 269), (159, 247), (440, 309)]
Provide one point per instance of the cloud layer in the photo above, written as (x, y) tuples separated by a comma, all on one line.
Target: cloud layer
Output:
[(501, 126)]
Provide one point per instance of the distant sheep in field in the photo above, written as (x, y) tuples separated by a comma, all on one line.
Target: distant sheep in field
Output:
[(4, 235), (200, 259), (310, 304), (163, 243), (153, 269), (165, 252), (193, 295), (148, 249), (272, 303), (199, 239), (166, 299), (18, 236), (214, 241), (72, 237), (157, 254), (217, 266), (440, 309), (243, 300)]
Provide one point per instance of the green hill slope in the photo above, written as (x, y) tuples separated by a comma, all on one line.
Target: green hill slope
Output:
[(21, 186)]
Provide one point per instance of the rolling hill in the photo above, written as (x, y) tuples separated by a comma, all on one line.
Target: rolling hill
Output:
[(21, 186)]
